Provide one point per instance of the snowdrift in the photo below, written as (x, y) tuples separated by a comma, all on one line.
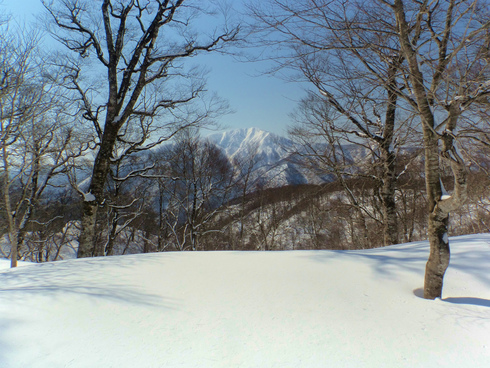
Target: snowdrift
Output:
[(249, 309)]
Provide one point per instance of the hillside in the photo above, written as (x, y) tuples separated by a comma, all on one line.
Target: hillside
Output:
[(249, 309), (270, 155)]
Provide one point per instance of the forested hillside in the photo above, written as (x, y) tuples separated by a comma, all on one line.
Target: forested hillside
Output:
[(197, 197), (102, 147)]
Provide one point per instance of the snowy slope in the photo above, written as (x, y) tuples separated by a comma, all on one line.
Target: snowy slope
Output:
[(270, 154), (256, 309), (240, 142)]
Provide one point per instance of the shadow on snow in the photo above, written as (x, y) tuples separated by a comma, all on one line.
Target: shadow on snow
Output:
[(95, 277)]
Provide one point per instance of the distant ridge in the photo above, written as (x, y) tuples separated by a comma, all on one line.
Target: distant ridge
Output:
[(270, 154)]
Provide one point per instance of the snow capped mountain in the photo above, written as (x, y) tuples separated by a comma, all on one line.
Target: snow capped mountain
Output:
[(241, 143), (269, 154), (273, 158), (268, 158)]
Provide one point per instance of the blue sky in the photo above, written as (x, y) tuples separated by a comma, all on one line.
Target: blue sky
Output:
[(258, 100)]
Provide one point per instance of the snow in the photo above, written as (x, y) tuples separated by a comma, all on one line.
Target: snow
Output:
[(444, 193), (249, 309), (240, 143), (5, 265), (118, 118), (88, 197)]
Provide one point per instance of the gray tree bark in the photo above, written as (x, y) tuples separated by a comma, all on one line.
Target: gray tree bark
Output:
[(438, 208)]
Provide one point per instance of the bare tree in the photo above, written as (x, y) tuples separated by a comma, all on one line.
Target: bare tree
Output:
[(195, 187), (37, 140), (432, 55), (445, 47), (128, 196), (342, 50), (52, 233), (321, 147), (142, 47), (246, 166)]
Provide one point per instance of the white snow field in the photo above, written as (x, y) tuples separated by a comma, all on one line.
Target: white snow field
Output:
[(249, 309)]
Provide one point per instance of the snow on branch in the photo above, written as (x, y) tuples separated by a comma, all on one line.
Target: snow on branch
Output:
[(88, 197)]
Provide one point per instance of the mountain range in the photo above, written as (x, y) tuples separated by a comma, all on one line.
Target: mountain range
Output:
[(273, 159), (269, 158), (268, 155)]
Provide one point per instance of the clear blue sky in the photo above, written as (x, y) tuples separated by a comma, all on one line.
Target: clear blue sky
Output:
[(258, 100)]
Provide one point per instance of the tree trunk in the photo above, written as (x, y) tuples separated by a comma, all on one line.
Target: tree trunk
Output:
[(109, 247), (13, 249), (13, 231), (439, 218), (86, 240), (95, 196), (437, 224), (390, 220), (438, 258)]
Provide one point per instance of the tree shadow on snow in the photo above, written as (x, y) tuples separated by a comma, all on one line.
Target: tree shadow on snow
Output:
[(458, 300), (5, 345), (98, 278), (386, 261), (469, 301), (412, 257)]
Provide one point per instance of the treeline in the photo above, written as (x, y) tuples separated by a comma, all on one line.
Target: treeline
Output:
[(189, 196)]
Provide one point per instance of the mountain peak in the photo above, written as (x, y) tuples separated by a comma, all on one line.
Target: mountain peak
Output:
[(268, 153), (238, 142)]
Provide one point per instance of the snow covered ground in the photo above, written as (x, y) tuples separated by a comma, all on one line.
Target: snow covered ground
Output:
[(255, 309)]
